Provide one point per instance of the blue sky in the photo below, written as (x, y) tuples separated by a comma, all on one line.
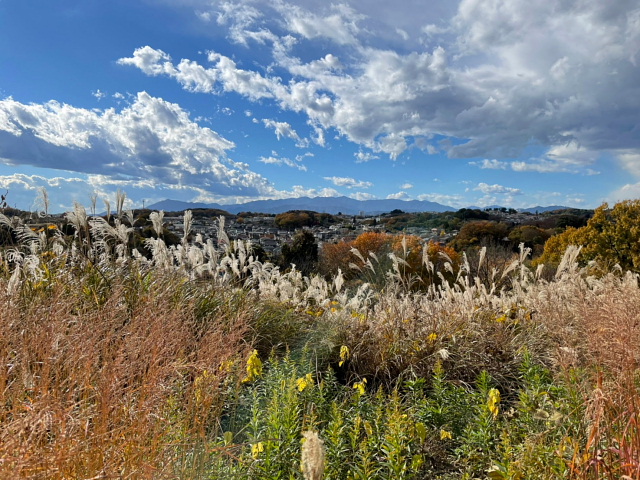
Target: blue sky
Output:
[(477, 102)]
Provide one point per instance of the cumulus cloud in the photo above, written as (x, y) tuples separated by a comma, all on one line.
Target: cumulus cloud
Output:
[(406, 186), (362, 196), (362, 157), (348, 182), (455, 200), (398, 196), (300, 191), (151, 140), (497, 189), (497, 76)]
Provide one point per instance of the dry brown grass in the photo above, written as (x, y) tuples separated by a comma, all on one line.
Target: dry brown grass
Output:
[(611, 316), (110, 391)]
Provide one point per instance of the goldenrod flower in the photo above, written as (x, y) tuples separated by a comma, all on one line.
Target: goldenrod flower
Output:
[(304, 382), (494, 401), (344, 354), (360, 386), (257, 449), (254, 367)]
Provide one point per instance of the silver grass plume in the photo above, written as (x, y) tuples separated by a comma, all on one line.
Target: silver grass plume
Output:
[(223, 239), (107, 205), (187, 225), (94, 199), (312, 459), (43, 202), (78, 218), (120, 198), (156, 220)]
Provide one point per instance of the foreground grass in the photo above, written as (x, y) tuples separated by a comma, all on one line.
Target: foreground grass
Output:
[(198, 364)]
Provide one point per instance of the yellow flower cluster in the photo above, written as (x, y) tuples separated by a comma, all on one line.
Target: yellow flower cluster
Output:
[(257, 449), (494, 401), (254, 367), (304, 382), (360, 386), (344, 355)]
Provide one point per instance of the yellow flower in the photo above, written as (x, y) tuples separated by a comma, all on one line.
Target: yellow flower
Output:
[(432, 337), (444, 434), (226, 366), (199, 387), (254, 367), (344, 355), (304, 382), (360, 386), (494, 401), (257, 449)]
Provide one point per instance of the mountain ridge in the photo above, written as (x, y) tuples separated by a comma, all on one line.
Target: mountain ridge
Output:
[(332, 205)]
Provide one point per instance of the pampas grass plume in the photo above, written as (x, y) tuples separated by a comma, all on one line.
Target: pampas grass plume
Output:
[(312, 461)]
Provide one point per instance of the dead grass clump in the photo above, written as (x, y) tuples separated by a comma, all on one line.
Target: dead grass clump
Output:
[(611, 317), (110, 391)]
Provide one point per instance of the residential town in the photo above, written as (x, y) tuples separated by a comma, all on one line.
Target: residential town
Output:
[(263, 231)]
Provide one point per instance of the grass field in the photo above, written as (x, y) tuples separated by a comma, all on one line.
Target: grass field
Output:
[(204, 363)]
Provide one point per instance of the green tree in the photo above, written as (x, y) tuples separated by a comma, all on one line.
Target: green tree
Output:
[(303, 252)]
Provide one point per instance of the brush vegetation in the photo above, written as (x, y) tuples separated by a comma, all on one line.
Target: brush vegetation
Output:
[(197, 360)]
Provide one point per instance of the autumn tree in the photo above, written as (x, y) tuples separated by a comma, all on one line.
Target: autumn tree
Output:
[(369, 258), (334, 257), (480, 233), (611, 237)]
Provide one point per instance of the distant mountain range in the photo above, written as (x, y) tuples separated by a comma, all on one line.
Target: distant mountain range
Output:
[(332, 205)]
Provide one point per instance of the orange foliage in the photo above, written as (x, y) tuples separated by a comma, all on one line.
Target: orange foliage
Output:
[(375, 242), (334, 256), (409, 248)]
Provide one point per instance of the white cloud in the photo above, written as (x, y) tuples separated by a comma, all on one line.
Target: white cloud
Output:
[(98, 94), (629, 191), (497, 189), (630, 161), (456, 201), (398, 196), (497, 75), (275, 160), (364, 156), (492, 164), (362, 196), (348, 182), (300, 191), (340, 25), (284, 129), (406, 186), (150, 139)]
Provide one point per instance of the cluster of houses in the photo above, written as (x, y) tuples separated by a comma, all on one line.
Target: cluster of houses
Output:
[(263, 231)]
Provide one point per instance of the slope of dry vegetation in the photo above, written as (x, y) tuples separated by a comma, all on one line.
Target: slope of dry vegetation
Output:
[(202, 362)]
